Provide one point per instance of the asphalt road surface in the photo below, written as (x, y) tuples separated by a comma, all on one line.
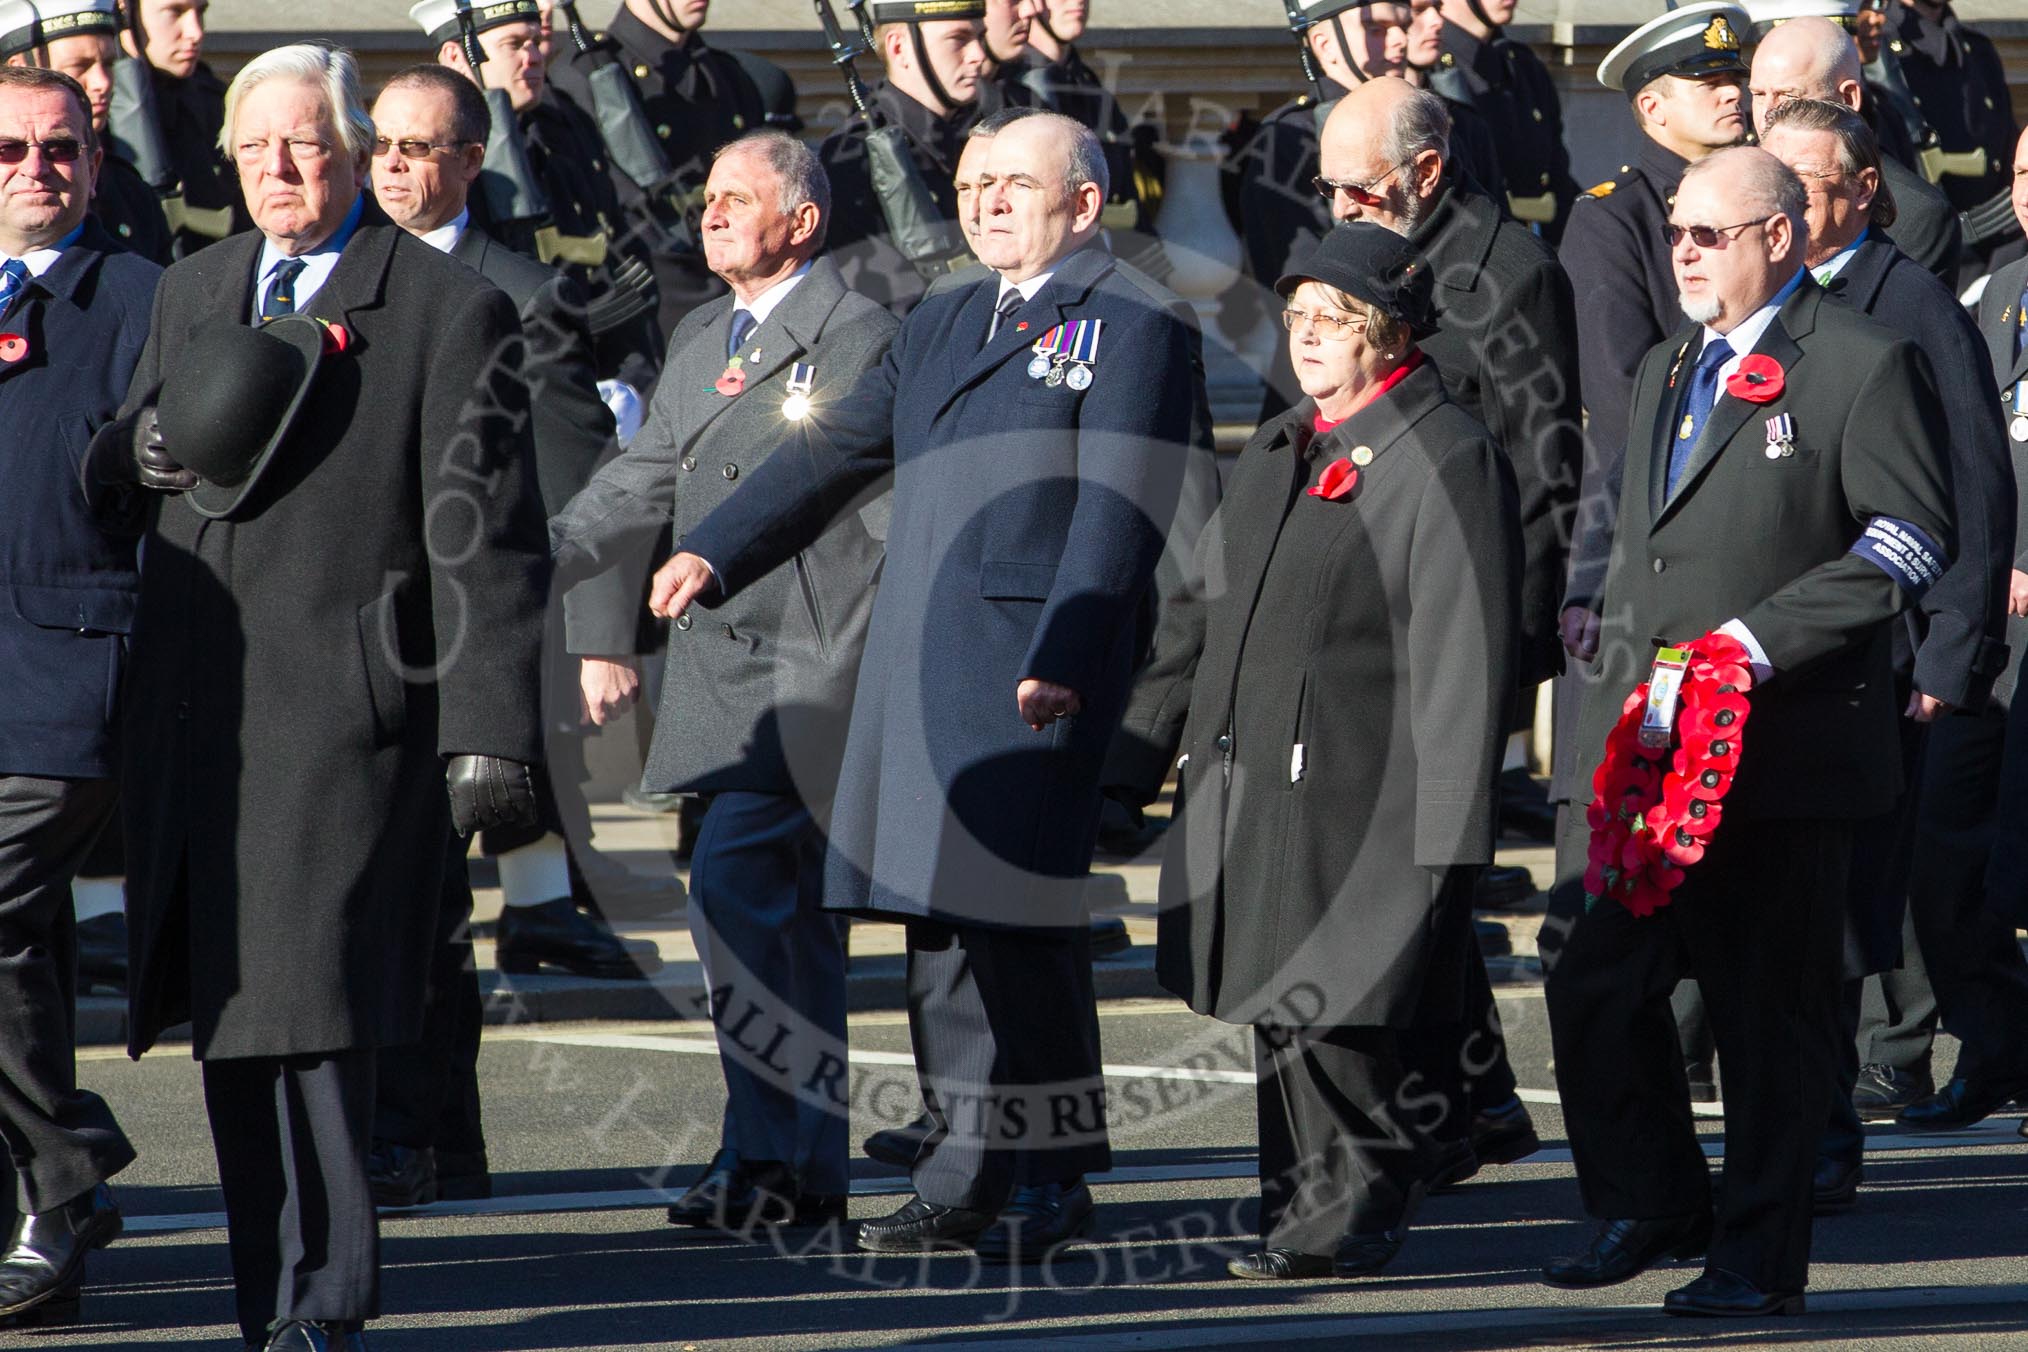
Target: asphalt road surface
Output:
[(593, 1127)]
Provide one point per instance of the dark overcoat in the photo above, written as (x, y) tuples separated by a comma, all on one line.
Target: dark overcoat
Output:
[(302, 669), (1516, 95), (1346, 717), (70, 586), (755, 698), (1769, 541), (2001, 325), (1027, 521), (130, 211)]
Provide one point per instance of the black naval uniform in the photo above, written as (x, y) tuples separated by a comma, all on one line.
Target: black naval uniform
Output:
[(858, 237), (130, 211), (192, 112), (696, 98), (1960, 85), (1506, 82), (1069, 87)]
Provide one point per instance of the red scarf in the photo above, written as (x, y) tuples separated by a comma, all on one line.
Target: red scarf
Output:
[(1400, 373)]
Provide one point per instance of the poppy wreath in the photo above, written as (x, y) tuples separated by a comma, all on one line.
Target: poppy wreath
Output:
[(1653, 810)]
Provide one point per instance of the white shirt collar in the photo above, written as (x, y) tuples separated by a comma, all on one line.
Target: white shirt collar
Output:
[(1027, 288), (446, 236), (1747, 333), (1834, 265), (317, 263), (765, 304)]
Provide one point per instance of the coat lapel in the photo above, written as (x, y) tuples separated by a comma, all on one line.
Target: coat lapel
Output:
[(791, 330), (1660, 419), (358, 281), (1066, 288), (2002, 333), (1730, 415), (59, 283)]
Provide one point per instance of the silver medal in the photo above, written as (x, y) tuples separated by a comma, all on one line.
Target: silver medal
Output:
[(2018, 428), (1079, 377), (1055, 376), (1038, 367)]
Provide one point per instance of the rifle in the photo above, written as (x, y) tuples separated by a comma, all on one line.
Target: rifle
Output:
[(1935, 162), (506, 179), (931, 244), (1299, 26), (629, 140)]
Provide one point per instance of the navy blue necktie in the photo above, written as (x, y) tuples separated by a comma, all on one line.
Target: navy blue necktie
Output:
[(281, 293), (1697, 402), (13, 281), (742, 325)]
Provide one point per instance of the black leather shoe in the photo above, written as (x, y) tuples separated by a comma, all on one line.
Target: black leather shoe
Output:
[(462, 1175), (1883, 1091), (1723, 1293), (1504, 1133), (898, 1146), (1279, 1265), (302, 1335), (1455, 1163), (819, 1208), (1960, 1103), (1626, 1248), (1109, 936), (401, 1176), (920, 1227), (613, 892), (102, 953), (45, 1255), (735, 1194), (1362, 1254), (1502, 888), (1835, 1186), (1036, 1220), (1494, 940), (556, 933)]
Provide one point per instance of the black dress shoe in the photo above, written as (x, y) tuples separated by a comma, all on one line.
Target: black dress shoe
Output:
[(1624, 1249), (819, 1208), (556, 933), (1504, 1133), (1502, 888), (736, 1194), (1455, 1163), (102, 952), (1723, 1293), (462, 1175), (303, 1335), (1835, 1186), (898, 1146), (1109, 936), (1960, 1103), (921, 1227), (1036, 1220), (45, 1256), (1279, 1265), (402, 1176), (1361, 1254), (612, 892), (1494, 940), (1883, 1091)]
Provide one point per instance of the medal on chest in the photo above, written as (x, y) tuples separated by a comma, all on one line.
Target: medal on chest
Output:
[(801, 377), (2017, 426), (1781, 436), (1067, 354)]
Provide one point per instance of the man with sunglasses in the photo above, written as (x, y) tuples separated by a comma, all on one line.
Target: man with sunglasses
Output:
[(80, 38), (1506, 333), (74, 313), (1788, 486)]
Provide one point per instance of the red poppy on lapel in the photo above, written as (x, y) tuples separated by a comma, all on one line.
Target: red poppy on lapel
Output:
[(1336, 482), (13, 347), (1759, 380), (336, 339), (730, 382)]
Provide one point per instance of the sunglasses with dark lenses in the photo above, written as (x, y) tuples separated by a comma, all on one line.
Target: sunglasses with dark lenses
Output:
[(60, 150), (1705, 236)]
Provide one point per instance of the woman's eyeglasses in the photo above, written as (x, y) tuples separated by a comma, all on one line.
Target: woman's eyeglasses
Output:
[(1328, 326)]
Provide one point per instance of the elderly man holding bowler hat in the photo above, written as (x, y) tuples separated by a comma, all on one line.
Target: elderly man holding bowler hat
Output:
[(342, 612)]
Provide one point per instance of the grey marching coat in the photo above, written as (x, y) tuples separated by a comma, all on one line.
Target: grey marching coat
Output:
[(1345, 717), (756, 694)]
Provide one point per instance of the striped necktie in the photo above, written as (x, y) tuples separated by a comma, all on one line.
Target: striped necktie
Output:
[(13, 281)]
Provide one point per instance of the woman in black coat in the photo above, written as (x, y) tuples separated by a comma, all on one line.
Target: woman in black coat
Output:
[(1356, 647)]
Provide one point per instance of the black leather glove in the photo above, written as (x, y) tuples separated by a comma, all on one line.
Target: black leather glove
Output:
[(154, 467), (488, 792)]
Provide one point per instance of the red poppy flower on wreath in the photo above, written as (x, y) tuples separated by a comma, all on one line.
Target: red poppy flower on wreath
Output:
[(1759, 380), (1336, 482), (13, 347)]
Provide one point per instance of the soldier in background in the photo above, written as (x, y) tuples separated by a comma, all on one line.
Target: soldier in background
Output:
[(697, 98), (1057, 74), (1472, 150), (934, 57), (1959, 84), (80, 38), (1506, 82), (569, 162), (190, 103), (1008, 24)]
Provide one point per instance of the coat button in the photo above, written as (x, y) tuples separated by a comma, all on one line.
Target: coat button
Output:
[(683, 621), (689, 462), (1661, 567), (641, 72), (1545, 180), (1538, 114), (729, 633), (662, 130), (1225, 741), (183, 709), (732, 471)]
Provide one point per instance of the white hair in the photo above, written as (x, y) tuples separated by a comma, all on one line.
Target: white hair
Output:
[(313, 63)]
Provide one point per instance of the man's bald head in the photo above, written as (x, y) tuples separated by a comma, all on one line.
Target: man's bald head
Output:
[(1809, 58), (1384, 148), (1041, 190)]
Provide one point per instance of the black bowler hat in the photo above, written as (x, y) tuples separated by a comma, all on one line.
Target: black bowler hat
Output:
[(228, 404), (1370, 262)]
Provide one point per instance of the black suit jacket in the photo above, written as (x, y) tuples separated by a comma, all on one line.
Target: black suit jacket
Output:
[(1767, 541), (1925, 223), (1959, 635)]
